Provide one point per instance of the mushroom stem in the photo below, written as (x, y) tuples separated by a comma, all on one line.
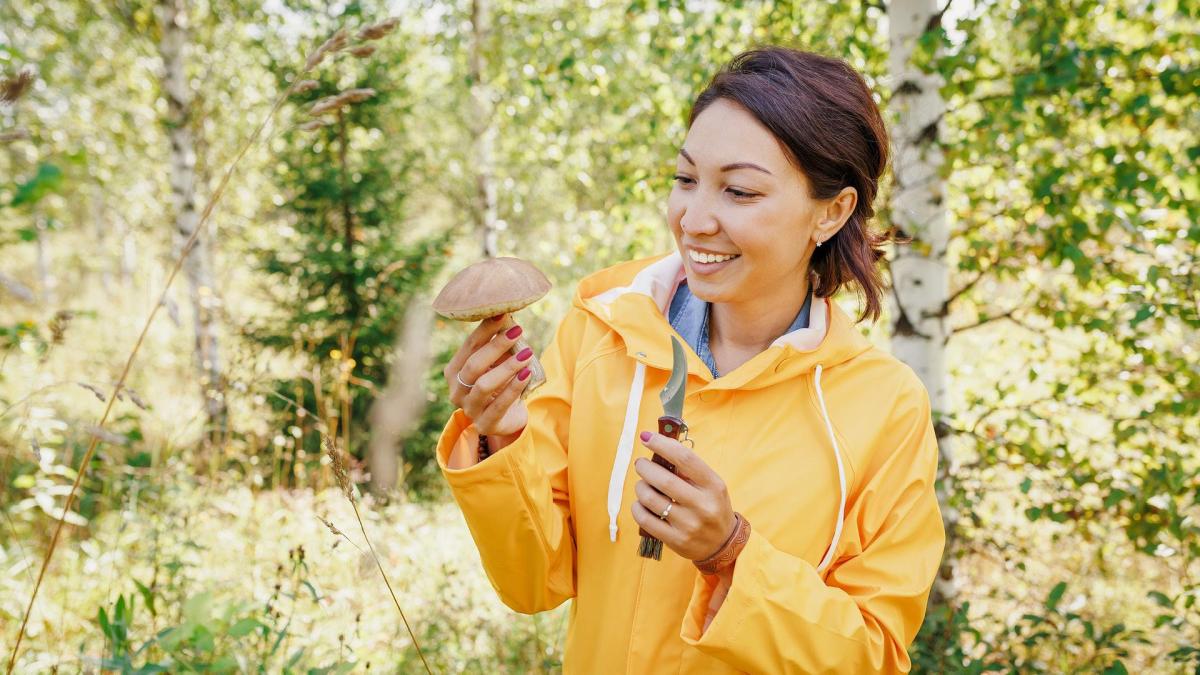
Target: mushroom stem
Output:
[(537, 375)]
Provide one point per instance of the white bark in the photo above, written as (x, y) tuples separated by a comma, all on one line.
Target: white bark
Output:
[(483, 131), (198, 266), (919, 272), (398, 409)]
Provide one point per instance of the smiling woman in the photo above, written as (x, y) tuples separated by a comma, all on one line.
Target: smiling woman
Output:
[(797, 424)]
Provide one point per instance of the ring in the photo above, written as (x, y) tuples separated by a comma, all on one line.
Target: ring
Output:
[(666, 511), (468, 386)]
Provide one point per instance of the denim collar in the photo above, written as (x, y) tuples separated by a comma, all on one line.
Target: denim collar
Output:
[(689, 316)]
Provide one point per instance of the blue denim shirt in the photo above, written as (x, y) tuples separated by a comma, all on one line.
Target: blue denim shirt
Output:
[(689, 316)]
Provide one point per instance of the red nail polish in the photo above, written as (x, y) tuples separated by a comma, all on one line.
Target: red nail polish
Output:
[(513, 332), (525, 354), (524, 374)]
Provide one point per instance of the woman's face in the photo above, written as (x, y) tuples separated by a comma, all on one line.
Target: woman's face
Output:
[(736, 193)]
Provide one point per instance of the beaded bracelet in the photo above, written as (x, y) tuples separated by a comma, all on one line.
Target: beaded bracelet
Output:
[(728, 553), (483, 447)]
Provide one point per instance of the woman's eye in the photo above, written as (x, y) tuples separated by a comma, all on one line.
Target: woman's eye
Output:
[(682, 179), (739, 194)]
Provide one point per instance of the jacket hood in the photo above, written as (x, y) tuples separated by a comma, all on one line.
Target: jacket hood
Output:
[(633, 299)]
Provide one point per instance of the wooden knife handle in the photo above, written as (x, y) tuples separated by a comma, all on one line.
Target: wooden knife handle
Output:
[(670, 427)]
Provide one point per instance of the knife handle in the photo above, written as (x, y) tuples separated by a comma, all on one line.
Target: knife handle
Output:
[(670, 427)]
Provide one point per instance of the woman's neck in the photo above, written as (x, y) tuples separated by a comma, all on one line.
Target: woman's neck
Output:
[(751, 326)]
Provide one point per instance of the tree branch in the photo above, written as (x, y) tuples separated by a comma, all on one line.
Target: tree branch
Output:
[(955, 330)]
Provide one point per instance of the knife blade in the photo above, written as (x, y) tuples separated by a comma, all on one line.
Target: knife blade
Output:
[(670, 424)]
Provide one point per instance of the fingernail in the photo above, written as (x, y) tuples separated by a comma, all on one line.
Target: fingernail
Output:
[(513, 332), (525, 354), (645, 436), (524, 374)]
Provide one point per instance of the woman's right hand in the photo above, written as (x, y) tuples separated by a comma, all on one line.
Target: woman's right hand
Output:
[(494, 402)]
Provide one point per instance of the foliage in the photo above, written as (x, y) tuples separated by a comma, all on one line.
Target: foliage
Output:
[(344, 268), (1071, 182), (258, 574)]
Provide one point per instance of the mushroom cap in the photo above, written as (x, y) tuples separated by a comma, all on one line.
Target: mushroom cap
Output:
[(489, 287)]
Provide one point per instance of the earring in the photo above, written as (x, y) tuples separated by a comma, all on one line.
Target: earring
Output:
[(818, 243)]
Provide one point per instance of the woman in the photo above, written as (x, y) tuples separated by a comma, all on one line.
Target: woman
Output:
[(809, 475)]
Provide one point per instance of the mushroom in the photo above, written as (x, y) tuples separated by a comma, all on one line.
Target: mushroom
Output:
[(495, 286)]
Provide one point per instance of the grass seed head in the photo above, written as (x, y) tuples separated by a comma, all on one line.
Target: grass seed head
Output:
[(337, 101), (376, 31), (363, 51), (95, 390), (13, 88), (339, 468), (334, 44), (332, 528), (304, 86)]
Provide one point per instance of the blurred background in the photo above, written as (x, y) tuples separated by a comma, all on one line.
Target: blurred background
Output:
[(1045, 165)]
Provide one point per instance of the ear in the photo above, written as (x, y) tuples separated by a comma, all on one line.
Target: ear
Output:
[(834, 214)]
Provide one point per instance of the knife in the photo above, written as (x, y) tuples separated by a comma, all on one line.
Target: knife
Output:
[(671, 425)]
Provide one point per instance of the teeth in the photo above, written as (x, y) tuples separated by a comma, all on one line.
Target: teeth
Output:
[(708, 258)]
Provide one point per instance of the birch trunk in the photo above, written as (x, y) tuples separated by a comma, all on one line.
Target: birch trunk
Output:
[(198, 265), (398, 409), (483, 131), (920, 274)]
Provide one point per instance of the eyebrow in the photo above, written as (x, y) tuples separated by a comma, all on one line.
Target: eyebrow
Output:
[(728, 167)]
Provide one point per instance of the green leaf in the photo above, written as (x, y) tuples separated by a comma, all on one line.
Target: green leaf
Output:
[(1113, 497), (47, 179), (1056, 594), (1142, 314), (198, 608), (1117, 668), (243, 627), (1160, 599)]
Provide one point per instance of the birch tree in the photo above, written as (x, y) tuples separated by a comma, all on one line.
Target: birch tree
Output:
[(173, 46), (920, 276)]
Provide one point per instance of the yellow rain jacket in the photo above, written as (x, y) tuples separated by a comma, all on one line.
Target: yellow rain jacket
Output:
[(825, 444)]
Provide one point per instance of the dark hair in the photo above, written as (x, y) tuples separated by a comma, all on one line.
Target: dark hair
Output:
[(821, 111)]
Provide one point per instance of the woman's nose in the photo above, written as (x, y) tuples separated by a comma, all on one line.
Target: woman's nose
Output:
[(698, 217)]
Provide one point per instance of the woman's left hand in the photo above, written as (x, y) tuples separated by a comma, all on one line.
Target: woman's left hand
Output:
[(702, 519)]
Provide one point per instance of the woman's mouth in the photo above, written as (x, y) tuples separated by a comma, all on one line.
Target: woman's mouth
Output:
[(710, 264)]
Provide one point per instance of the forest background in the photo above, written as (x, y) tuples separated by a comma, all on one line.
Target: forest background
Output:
[(1045, 166)]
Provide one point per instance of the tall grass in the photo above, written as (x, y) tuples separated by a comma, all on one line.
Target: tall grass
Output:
[(14, 88)]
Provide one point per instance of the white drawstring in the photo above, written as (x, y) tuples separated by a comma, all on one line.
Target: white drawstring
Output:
[(837, 530), (616, 482)]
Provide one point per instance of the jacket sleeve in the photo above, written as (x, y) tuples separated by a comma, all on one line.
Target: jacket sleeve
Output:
[(515, 501), (860, 616)]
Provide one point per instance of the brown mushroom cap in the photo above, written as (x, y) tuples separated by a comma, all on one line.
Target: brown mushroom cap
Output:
[(490, 287)]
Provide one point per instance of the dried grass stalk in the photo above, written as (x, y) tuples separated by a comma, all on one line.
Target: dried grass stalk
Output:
[(363, 51), (376, 31), (13, 88), (313, 124), (18, 134), (110, 437), (338, 533), (332, 44), (343, 479), (337, 101)]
